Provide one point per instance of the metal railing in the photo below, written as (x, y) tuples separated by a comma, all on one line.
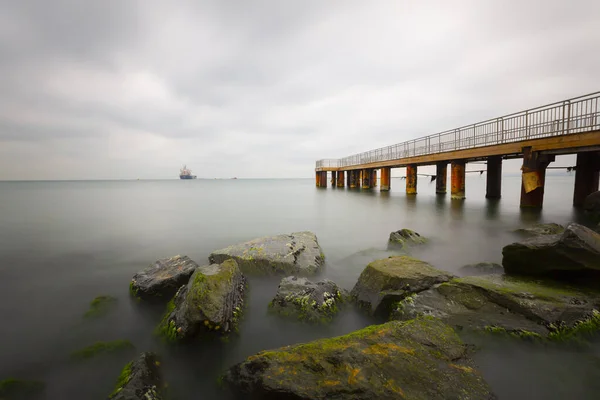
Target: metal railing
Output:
[(576, 115)]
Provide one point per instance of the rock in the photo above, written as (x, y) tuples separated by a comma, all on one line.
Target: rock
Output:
[(100, 306), (140, 380), (163, 278), (542, 229), (99, 348), (405, 237), (576, 249), (591, 205), (296, 254), (210, 303), (389, 280), (18, 389), (517, 305), (482, 268), (307, 301), (418, 359)]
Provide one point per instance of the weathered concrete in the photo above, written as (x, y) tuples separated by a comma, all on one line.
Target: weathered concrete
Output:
[(298, 253), (587, 174), (441, 176), (419, 359), (385, 179), (533, 178), (457, 189), (411, 179), (494, 177)]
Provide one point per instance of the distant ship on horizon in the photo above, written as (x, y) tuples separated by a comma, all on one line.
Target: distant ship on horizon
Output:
[(185, 173)]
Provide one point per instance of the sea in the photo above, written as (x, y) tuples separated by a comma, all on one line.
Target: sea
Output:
[(63, 243)]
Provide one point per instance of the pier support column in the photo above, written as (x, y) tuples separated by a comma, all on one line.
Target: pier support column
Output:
[(533, 177), (457, 179), (441, 175), (586, 176), (340, 179), (411, 179), (333, 179), (494, 177), (384, 186), (321, 178), (367, 176), (353, 179), (374, 179)]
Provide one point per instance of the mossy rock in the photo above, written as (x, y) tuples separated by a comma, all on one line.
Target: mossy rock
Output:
[(313, 302), (210, 303), (161, 279), (417, 359), (546, 308), (102, 348), (384, 282), (403, 238), (19, 389), (298, 253), (541, 229), (140, 379), (482, 268), (100, 306)]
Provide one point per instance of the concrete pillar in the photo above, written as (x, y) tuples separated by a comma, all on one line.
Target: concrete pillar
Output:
[(321, 178), (385, 179), (374, 179), (317, 178), (586, 176), (340, 179), (333, 179), (367, 176), (533, 177), (354, 181), (441, 175), (457, 179), (411, 179), (494, 177)]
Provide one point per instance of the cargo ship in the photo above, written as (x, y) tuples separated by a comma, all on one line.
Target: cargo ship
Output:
[(185, 173)]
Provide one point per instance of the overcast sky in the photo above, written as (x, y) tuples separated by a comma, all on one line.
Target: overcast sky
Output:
[(136, 88)]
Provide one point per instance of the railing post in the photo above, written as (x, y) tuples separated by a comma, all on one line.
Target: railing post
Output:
[(568, 116), (526, 124)]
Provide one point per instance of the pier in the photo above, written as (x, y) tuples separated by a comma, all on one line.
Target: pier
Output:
[(536, 135)]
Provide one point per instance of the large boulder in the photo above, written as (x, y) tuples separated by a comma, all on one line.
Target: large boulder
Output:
[(141, 379), (210, 303), (307, 301), (521, 306), (576, 249), (161, 279), (418, 359), (403, 238), (298, 253), (591, 205), (541, 229), (384, 282)]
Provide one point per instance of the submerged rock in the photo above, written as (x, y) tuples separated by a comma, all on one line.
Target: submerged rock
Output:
[(99, 348), (482, 268), (211, 302), (576, 249), (418, 359), (298, 253), (140, 380), (100, 306), (591, 205), (542, 229), (389, 280), (307, 301), (18, 389), (163, 278), (405, 237), (515, 305)]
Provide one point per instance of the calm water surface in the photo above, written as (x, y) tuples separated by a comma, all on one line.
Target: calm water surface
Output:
[(64, 243)]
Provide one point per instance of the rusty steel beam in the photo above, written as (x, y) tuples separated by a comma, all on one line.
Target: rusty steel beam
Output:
[(385, 179), (411, 179), (457, 179)]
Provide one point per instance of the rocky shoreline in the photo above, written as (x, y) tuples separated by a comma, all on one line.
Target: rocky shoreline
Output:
[(533, 295)]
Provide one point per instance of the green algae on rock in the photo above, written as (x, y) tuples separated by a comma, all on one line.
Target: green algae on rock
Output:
[(161, 279), (209, 304), (140, 379), (298, 253), (417, 359), (507, 303), (100, 348), (541, 229), (314, 302), (384, 282), (19, 389), (403, 238), (100, 306)]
